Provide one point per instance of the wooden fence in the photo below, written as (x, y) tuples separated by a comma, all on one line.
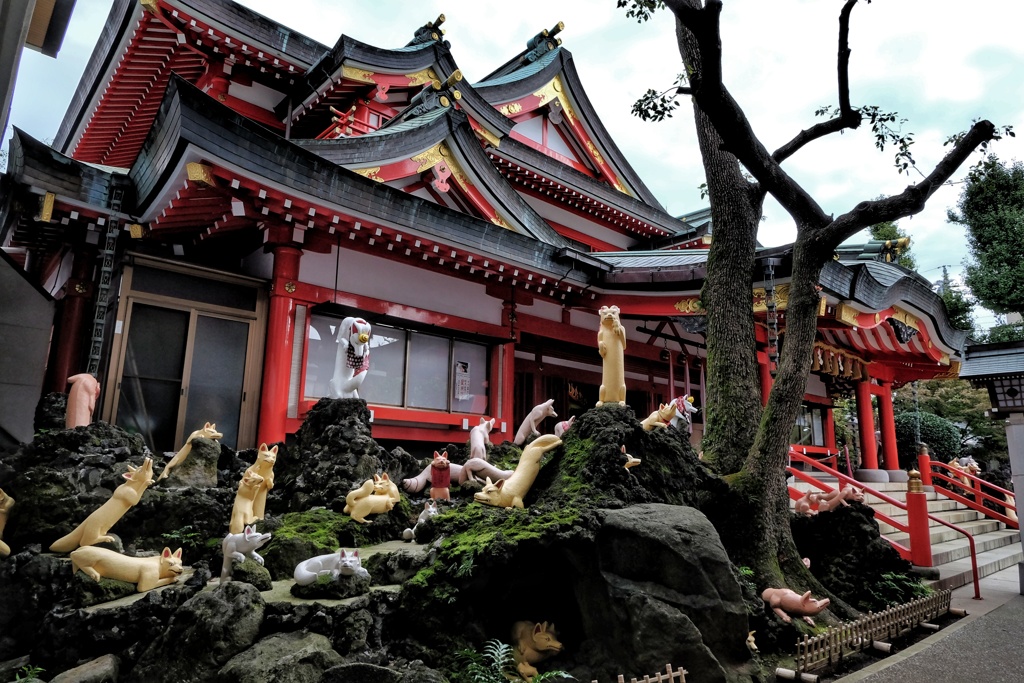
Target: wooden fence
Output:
[(830, 647), (670, 676)]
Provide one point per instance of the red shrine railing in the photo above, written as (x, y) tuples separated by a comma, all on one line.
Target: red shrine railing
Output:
[(917, 527), (969, 490)]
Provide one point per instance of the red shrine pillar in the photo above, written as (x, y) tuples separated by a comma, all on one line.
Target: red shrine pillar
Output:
[(766, 377), (70, 332), (866, 423), (280, 338), (887, 421)]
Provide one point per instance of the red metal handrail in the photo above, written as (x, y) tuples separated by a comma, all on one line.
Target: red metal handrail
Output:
[(975, 490), (794, 455)]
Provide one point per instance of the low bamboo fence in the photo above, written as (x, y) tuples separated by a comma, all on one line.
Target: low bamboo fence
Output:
[(828, 648), (670, 676)]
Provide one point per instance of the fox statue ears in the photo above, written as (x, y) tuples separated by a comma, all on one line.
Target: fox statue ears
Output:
[(542, 627), (130, 474), (443, 455), (167, 554), (210, 425), (263, 449)]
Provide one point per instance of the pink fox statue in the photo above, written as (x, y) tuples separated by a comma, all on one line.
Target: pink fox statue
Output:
[(531, 425), (95, 527), (440, 477), (564, 426), (81, 400), (785, 602), (480, 438)]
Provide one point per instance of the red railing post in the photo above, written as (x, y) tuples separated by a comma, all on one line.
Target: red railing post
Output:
[(917, 521), (924, 464)]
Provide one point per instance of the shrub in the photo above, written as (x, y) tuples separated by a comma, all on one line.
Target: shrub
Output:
[(941, 435)]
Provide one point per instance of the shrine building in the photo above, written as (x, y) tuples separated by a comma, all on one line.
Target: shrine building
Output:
[(224, 191)]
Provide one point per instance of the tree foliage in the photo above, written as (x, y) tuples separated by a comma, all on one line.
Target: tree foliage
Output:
[(966, 407), (941, 435), (991, 207), (1004, 332), (959, 306)]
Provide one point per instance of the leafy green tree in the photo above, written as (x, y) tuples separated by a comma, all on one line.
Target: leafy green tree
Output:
[(991, 207), (890, 231), (959, 306), (955, 400), (741, 440), (1004, 332), (941, 435)]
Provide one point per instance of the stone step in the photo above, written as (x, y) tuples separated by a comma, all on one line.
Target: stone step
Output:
[(942, 534), (934, 505), (956, 516), (959, 548), (958, 573)]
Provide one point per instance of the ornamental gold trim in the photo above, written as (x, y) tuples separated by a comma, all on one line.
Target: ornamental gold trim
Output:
[(555, 90), (906, 318), (370, 172), (510, 109), (847, 314), (200, 173), (499, 221), (423, 76), (488, 137), (46, 207), (691, 305), (594, 153), (761, 299), (428, 158), (354, 74)]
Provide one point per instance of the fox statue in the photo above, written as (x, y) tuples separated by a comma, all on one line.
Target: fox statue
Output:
[(682, 420), (507, 493), (264, 467), (353, 358), (611, 344), (341, 563), (429, 510), (146, 573), (564, 426), (659, 419), (242, 510), (6, 503), (784, 602), (95, 527), (208, 431), (531, 424), (237, 547), (375, 496), (533, 643), (85, 390), (480, 438)]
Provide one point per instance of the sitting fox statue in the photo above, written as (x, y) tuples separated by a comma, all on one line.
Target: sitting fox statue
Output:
[(146, 573), (374, 497), (531, 423), (533, 643), (95, 527), (237, 547)]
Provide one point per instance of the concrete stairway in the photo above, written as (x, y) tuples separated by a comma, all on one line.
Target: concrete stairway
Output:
[(997, 547)]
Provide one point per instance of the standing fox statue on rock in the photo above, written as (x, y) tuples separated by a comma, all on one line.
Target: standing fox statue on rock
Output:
[(611, 344), (353, 358), (95, 527), (208, 431)]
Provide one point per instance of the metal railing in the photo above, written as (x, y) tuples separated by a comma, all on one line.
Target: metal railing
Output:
[(976, 489), (844, 479)]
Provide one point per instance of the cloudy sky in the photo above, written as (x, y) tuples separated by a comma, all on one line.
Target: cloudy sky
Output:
[(938, 63)]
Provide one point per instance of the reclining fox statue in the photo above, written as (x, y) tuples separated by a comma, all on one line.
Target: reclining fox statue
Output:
[(146, 573)]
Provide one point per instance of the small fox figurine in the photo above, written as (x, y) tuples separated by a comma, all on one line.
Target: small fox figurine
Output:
[(429, 510), (531, 425), (242, 510), (480, 438), (237, 547), (95, 527), (342, 563), (146, 573), (209, 431), (660, 418)]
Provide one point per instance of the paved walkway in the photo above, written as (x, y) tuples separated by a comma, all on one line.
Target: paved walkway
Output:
[(983, 647)]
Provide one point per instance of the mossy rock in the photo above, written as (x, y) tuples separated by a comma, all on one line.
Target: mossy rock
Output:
[(87, 592), (327, 587), (251, 571)]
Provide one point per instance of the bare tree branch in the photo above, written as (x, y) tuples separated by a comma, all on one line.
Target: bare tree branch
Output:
[(912, 200), (711, 95)]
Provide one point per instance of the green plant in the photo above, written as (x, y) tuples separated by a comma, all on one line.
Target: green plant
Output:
[(29, 673), (895, 589), (495, 663), (941, 435)]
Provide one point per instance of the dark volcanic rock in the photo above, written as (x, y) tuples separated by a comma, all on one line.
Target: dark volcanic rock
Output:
[(103, 669), (282, 658), (337, 589), (358, 672), (198, 469), (203, 635), (51, 412)]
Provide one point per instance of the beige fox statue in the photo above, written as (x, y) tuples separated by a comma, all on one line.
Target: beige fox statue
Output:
[(209, 431), (264, 467), (375, 496), (146, 573), (660, 418), (242, 510), (95, 527), (533, 643), (6, 503), (611, 344), (508, 493)]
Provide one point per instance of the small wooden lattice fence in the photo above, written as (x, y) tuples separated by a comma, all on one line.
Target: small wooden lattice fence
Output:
[(670, 676), (829, 647)]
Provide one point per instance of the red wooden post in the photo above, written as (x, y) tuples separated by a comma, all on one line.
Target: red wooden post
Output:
[(917, 520), (924, 464), (888, 427), (277, 360), (866, 422), (766, 377)]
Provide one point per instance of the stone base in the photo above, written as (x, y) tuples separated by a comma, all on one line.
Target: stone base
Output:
[(898, 476), (871, 476)]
